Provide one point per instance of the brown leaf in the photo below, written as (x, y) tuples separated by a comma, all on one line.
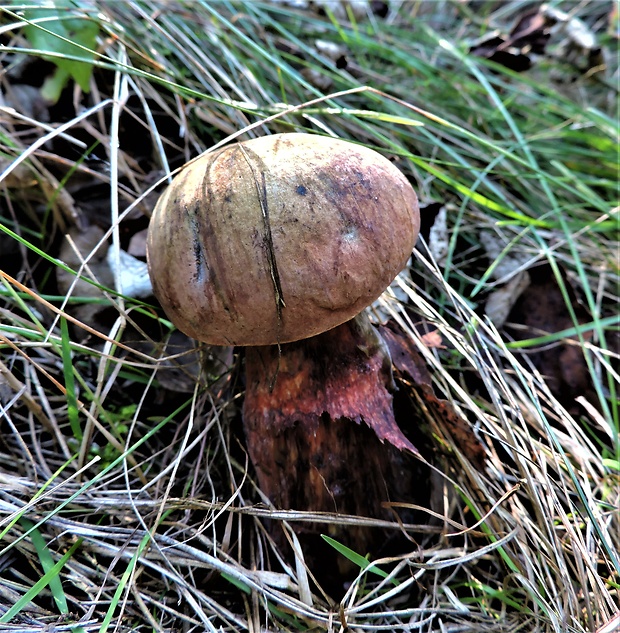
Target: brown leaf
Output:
[(137, 244), (77, 247), (433, 340), (531, 33), (496, 50)]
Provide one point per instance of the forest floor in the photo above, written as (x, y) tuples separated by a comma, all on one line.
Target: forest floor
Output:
[(127, 498)]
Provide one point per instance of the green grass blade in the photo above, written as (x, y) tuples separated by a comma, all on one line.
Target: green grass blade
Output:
[(47, 563), (357, 559), (67, 367), (50, 576)]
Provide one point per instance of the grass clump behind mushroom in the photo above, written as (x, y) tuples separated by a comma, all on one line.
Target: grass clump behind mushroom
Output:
[(168, 530)]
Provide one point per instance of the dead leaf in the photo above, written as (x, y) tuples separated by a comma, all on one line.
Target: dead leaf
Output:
[(137, 243), (574, 43), (433, 340), (439, 238), (505, 261), (514, 51), (131, 275), (77, 247), (27, 100), (21, 177), (576, 30), (500, 301)]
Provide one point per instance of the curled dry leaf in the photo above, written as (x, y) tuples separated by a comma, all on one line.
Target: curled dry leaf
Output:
[(82, 250), (186, 362), (545, 31), (507, 266), (577, 31), (131, 275), (505, 261), (433, 340), (439, 239), (528, 37)]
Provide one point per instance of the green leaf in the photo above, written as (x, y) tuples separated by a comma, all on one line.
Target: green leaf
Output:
[(54, 85), (612, 464), (65, 35), (237, 583)]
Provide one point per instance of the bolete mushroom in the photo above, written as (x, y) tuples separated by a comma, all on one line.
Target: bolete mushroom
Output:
[(279, 244)]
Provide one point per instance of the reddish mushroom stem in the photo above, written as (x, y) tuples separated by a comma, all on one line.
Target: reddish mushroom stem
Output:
[(323, 437)]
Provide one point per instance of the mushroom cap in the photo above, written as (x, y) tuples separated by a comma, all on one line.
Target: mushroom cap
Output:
[(279, 238)]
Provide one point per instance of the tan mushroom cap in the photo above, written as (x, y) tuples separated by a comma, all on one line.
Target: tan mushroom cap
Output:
[(279, 238)]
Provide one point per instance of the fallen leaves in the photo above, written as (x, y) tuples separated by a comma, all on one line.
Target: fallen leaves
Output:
[(530, 37)]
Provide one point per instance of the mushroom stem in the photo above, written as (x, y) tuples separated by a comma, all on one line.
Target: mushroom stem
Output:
[(323, 436)]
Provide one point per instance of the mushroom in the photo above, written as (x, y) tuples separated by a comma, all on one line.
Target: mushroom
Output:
[(278, 244)]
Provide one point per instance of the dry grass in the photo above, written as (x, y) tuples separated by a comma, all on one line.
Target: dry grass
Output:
[(127, 506)]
